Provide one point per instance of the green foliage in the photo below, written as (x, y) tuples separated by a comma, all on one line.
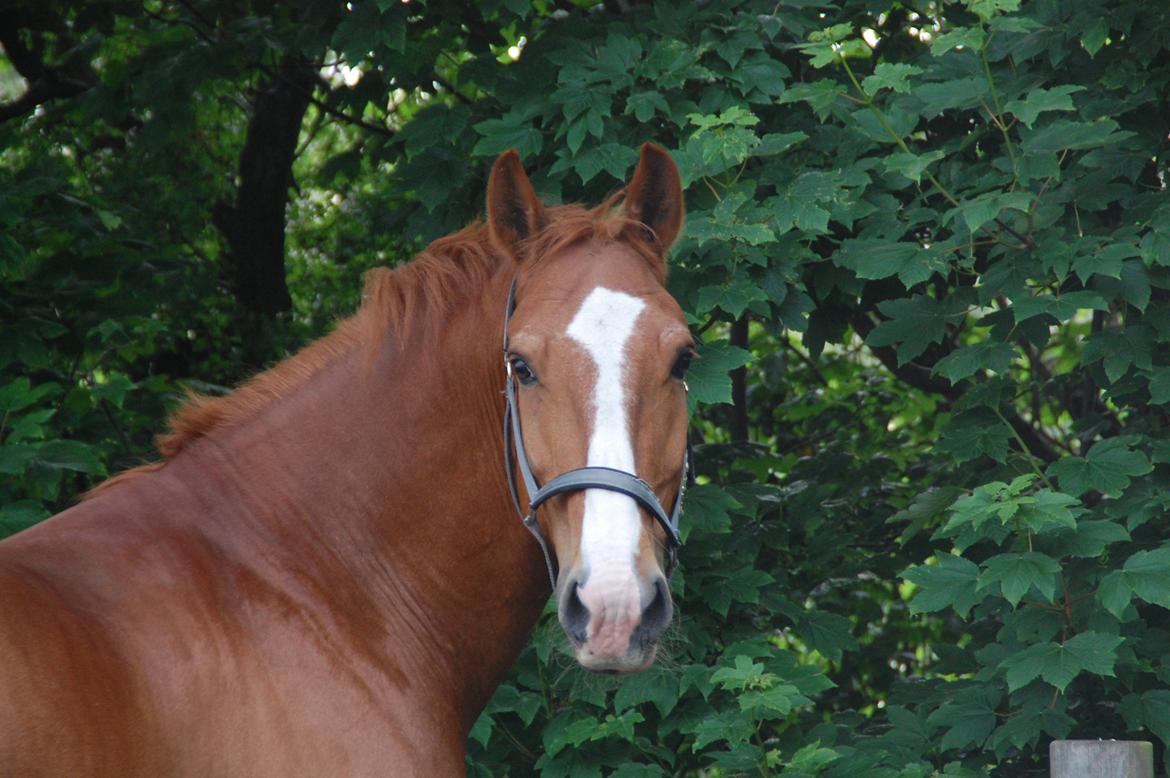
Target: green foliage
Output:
[(927, 252)]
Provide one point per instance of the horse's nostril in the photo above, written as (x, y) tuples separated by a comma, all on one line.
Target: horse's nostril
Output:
[(656, 616), (574, 615)]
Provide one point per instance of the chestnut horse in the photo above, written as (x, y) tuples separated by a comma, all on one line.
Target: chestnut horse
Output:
[(326, 575)]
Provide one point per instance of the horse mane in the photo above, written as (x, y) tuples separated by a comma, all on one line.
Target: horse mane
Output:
[(404, 302)]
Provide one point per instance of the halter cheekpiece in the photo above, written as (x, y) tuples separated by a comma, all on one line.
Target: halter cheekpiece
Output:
[(607, 478)]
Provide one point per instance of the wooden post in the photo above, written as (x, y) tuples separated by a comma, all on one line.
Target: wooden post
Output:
[(1101, 759)]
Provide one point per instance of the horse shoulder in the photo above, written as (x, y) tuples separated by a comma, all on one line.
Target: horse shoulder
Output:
[(73, 702)]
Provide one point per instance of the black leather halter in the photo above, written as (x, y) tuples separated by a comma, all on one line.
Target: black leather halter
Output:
[(581, 478)]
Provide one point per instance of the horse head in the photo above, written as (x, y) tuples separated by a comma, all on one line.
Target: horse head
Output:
[(596, 351)]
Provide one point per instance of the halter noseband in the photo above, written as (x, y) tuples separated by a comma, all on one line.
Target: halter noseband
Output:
[(607, 478)]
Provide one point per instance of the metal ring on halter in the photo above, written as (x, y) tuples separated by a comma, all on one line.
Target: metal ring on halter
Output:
[(581, 478)]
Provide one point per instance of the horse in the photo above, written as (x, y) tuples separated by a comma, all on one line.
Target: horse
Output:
[(324, 573)]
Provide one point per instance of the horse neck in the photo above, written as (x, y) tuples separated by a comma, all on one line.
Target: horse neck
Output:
[(376, 492)]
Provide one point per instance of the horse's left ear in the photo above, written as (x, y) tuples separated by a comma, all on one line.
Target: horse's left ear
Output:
[(654, 197), (514, 211)]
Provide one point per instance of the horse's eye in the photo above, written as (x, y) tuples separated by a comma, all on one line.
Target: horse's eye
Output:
[(523, 372), (681, 364)]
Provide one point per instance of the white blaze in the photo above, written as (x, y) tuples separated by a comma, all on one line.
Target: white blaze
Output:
[(612, 526)]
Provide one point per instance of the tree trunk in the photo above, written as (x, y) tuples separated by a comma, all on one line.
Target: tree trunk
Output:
[(254, 227), (739, 411)]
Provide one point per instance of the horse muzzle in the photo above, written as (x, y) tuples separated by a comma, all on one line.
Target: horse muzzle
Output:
[(614, 626)]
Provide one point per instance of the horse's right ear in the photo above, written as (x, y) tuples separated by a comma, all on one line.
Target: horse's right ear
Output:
[(513, 210)]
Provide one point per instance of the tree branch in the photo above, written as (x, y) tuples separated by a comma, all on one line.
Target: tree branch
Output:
[(328, 109), (912, 373), (45, 82), (920, 377), (293, 84)]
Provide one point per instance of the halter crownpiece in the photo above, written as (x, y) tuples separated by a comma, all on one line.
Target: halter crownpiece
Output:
[(581, 478)]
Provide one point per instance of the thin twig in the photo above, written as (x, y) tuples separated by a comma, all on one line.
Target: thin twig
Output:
[(806, 359), (451, 89), (105, 406), (1025, 242)]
